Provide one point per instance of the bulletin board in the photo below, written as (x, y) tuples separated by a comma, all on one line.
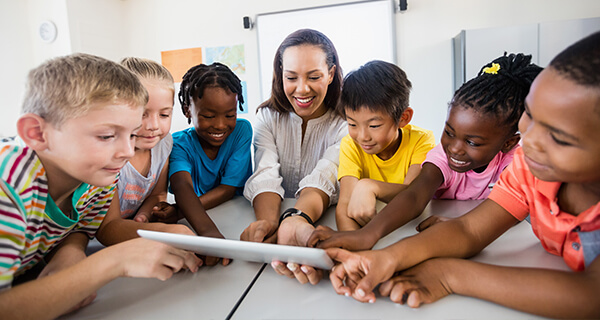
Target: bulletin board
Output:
[(360, 31)]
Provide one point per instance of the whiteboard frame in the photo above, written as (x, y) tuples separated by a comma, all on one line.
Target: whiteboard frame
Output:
[(266, 50)]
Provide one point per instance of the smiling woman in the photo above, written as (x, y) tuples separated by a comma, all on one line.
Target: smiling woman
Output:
[(297, 138)]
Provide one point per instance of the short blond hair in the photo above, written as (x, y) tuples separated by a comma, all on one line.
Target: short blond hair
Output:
[(70, 86), (149, 70)]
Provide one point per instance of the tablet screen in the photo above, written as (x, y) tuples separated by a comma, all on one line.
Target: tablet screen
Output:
[(243, 250)]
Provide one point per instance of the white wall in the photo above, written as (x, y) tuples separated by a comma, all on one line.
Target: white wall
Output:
[(423, 32)]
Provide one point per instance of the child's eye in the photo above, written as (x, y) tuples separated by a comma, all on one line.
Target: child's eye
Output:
[(315, 78), (448, 133), (230, 116), (560, 142), (375, 126), (290, 78), (165, 115), (106, 137), (351, 125), (207, 117), (473, 144)]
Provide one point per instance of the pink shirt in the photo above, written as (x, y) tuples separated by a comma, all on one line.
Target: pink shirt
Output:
[(468, 185)]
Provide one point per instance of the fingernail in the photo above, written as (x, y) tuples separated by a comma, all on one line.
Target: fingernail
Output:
[(292, 266), (304, 269), (360, 292), (273, 265), (347, 294), (371, 301)]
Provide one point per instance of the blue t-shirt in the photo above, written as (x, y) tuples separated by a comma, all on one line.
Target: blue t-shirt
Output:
[(232, 166)]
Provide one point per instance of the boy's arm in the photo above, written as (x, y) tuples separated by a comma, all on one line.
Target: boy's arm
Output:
[(191, 206), (217, 195), (59, 292), (343, 222), (462, 237), (550, 293), (158, 194), (114, 229), (405, 206)]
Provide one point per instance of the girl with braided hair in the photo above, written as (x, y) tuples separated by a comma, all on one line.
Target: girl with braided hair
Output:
[(479, 140), (210, 161)]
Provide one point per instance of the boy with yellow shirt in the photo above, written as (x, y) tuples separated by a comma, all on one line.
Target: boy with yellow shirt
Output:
[(382, 152)]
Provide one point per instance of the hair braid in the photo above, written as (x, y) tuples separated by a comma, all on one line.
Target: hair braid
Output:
[(500, 88), (202, 76)]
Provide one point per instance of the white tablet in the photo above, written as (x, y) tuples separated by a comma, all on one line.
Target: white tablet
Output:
[(243, 250)]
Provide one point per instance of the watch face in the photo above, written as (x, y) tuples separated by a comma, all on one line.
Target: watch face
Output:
[(47, 31)]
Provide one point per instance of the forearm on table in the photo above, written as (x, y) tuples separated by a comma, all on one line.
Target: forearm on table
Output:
[(57, 293), (403, 208), (462, 237), (217, 196), (313, 202), (267, 206), (550, 293), (190, 206)]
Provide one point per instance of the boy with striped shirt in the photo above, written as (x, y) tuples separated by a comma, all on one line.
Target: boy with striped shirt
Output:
[(57, 182)]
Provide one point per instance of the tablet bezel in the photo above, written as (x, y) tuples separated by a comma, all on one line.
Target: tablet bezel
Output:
[(243, 250)]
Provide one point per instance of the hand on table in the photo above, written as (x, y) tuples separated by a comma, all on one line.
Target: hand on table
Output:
[(359, 273), (162, 212), (423, 283), (295, 231), (143, 258), (325, 237), (211, 261), (260, 231), (363, 203)]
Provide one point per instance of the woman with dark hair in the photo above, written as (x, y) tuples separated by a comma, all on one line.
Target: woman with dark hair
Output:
[(296, 146)]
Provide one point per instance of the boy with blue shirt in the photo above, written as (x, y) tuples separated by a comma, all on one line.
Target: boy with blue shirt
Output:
[(210, 162)]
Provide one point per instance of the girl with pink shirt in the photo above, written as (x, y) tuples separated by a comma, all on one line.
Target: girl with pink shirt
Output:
[(479, 139)]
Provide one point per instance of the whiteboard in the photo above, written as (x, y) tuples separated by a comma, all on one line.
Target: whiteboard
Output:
[(360, 32)]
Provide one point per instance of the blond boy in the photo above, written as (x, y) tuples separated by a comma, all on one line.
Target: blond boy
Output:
[(57, 182)]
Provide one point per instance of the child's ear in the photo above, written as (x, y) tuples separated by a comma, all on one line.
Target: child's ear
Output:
[(30, 128), (406, 117), (511, 142)]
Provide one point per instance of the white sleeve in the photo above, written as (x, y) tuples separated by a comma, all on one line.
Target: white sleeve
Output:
[(324, 175), (266, 176)]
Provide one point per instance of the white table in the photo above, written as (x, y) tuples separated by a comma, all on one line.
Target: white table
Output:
[(214, 292)]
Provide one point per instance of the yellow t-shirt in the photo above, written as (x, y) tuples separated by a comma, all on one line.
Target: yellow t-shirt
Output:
[(355, 162)]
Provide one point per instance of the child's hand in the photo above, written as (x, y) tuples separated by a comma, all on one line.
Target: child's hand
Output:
[(211, 261), (424, 283), (325, 237), (359, 273), (295, 231), (162, 212), (143, 258), (362, 205), (260, 231), (430, 222)]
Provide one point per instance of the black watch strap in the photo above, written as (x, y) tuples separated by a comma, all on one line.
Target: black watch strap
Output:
[(295, 212)]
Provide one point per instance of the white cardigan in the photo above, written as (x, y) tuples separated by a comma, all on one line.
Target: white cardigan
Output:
[(284, 164)]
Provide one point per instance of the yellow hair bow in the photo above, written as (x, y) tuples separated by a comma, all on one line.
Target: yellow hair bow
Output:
[(493, 69)]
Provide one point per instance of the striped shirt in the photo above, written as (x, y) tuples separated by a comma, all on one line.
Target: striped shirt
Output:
[(31, 224)]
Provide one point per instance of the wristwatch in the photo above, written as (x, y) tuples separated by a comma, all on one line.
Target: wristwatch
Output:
[(295, 212)]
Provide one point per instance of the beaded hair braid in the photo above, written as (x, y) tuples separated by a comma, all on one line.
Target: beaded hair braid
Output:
[(500, 88)]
